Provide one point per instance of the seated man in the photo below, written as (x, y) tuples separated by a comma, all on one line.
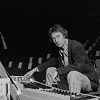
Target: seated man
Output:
[(72, 64)]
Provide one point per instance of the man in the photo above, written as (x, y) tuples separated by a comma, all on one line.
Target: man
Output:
[(71, 65)]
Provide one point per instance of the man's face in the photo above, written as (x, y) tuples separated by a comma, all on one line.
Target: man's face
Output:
[(58, 38)]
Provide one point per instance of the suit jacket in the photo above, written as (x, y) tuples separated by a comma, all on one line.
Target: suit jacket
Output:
[(78, 61)]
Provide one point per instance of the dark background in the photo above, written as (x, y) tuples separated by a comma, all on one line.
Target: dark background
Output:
[(25, 23)]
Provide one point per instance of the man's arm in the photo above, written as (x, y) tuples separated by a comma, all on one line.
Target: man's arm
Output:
[(51, 62)]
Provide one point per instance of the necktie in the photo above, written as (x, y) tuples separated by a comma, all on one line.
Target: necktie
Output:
[(64, 56)]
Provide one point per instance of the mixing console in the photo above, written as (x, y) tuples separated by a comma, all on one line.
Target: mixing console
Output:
[(40, 88), (33, 90)]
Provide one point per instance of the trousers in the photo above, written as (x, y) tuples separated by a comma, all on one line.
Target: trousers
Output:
[(76, 80)]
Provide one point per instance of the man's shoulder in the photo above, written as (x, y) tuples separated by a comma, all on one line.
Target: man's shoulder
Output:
[(74, 42)]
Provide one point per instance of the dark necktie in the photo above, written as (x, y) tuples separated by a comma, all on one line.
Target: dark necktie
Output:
[(63, 54)]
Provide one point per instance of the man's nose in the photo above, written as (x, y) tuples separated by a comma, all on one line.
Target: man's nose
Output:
[(56, 40)]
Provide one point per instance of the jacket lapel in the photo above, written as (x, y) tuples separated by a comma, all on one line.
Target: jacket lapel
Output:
[(69, 52)]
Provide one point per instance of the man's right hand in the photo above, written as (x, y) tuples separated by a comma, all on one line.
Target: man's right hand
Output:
[(29, 74)]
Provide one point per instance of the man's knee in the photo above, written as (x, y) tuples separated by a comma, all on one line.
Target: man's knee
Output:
[(73, 74)]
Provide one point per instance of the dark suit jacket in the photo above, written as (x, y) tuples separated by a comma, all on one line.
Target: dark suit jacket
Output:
[(78, 61)]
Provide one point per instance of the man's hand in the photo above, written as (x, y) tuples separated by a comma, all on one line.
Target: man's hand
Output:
[(56, 77), (29, 74)]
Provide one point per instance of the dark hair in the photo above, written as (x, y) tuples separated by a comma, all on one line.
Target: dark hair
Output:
[(58, 28)]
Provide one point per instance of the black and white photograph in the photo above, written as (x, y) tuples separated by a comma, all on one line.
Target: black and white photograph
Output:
[(49, 50)]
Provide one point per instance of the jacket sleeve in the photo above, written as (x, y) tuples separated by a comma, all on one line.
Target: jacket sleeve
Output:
[(51, 62), (78, 54)]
